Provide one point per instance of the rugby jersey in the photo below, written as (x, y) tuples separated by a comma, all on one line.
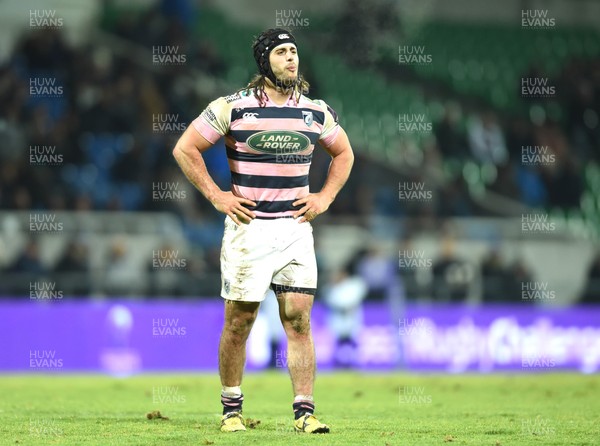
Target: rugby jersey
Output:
[(269, 149)]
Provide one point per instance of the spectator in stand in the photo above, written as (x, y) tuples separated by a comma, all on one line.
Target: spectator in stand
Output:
[(124, 276), (450, 137), (452, 276), (495, 277), (344, 297), (29, 260), (486, 139), (26, 269), (518, 274), (73, 270)]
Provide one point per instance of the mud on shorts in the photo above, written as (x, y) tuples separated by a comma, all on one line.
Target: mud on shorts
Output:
[(263, 254)]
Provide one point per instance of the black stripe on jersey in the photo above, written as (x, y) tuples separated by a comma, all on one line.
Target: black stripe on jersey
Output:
[(243, 135), (283, 158), (277, 113), (268, 182), (274, 206)]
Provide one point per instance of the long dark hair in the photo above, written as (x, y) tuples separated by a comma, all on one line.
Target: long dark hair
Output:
[(259, 82)]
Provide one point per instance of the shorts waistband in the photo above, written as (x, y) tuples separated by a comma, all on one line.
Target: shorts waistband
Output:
[(274, 218)]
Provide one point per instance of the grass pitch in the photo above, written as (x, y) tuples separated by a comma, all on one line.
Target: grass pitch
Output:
[(377, 409)]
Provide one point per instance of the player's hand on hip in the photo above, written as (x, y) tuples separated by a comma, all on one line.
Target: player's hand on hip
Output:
[(234, 207), (312, 206)]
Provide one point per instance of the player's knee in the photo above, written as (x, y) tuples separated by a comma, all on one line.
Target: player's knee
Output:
[(299, 324), (240, 325)]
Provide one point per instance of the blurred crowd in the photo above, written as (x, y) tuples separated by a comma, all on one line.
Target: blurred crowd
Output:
[(101, 124), (370, 274)]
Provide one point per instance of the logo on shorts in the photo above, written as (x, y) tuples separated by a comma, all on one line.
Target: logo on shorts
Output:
[(278, 141), (226, 285), (308, 118)]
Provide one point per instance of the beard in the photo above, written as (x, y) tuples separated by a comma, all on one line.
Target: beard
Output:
[(286, 81)]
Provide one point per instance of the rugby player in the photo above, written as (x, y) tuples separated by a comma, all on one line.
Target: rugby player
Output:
[(270, 129)]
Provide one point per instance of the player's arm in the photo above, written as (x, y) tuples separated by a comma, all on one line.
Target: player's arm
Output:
[(188, 154), (339, 171)]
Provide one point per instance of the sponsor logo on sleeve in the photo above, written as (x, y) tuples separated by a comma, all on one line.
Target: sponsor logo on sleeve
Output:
[(232, 97), (209, 115)]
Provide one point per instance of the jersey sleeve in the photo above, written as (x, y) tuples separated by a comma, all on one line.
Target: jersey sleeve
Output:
[(331, 127), (214, 121)]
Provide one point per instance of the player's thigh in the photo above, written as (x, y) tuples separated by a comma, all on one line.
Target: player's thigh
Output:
[(294, 306)]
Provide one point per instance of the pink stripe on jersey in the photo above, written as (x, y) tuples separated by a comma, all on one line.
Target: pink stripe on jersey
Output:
[(278, 124), (266, 169), (205, 130), (329, 139), (262, 194)]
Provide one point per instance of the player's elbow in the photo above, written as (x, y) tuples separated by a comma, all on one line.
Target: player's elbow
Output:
[(176, 151)]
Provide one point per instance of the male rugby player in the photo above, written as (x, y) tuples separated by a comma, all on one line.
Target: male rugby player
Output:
[(270, 131)]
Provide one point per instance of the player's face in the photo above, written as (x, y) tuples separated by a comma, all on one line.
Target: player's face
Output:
[(284, 63)]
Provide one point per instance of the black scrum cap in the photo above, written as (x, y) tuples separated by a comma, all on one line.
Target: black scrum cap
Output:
[(264, 44)]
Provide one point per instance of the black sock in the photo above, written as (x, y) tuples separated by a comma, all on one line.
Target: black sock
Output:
[(303, 407), (232, 404)]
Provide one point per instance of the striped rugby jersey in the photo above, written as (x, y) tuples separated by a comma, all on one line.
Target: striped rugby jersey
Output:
[(269, 148)]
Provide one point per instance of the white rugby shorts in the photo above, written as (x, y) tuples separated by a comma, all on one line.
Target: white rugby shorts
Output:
[(263, 254)]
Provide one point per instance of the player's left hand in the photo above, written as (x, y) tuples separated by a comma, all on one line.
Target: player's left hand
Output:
[(314, 205)]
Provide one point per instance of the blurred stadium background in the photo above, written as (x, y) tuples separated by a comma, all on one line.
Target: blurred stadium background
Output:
[(467, 237)]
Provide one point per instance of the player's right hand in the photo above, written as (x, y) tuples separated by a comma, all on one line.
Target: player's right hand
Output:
[(232, 206)]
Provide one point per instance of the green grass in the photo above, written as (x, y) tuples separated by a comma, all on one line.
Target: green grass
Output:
[(495, 410)]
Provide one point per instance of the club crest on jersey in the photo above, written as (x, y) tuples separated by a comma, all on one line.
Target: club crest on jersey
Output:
[(308, 117), (278, 142)]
